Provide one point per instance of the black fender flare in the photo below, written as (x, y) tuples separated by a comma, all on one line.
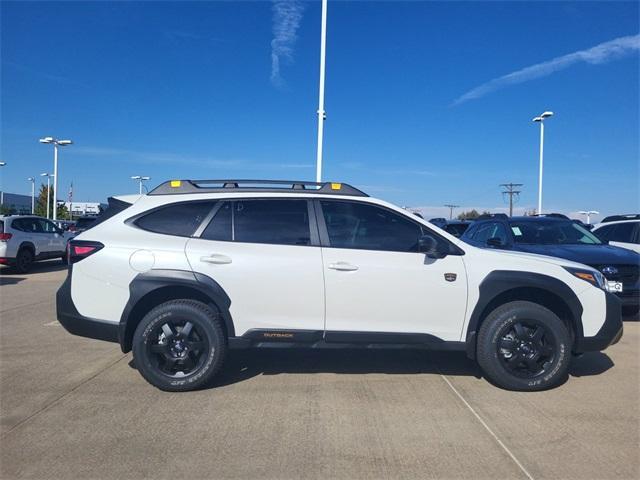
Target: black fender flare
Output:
[(152, 280), (502, 281)]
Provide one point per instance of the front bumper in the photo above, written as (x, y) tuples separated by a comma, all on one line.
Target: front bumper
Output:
[(76, 324), (610, 332)]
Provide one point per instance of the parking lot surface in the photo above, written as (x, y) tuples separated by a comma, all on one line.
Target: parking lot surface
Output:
[(76, 408)]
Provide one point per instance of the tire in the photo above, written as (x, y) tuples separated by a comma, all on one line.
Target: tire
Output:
[(24, 260), (64, 260), (524, 346), (172, 360)]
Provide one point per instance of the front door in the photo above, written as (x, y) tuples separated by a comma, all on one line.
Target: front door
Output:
[(265, 255), (377, 281)]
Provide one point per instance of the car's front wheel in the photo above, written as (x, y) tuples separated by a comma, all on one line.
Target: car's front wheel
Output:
[(524, 346), (179, 345)]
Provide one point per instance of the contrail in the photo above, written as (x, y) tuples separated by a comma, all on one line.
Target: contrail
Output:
[(602, 53), (286, 20)]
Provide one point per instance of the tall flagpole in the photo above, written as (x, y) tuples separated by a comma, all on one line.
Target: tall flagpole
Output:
[(321, 112)]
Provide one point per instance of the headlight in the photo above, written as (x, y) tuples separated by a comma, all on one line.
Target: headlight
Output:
[(594, 277)]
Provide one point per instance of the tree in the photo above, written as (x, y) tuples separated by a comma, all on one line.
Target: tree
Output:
[(41, 205)]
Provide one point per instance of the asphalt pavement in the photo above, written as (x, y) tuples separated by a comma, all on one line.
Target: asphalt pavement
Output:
[(76, 408)]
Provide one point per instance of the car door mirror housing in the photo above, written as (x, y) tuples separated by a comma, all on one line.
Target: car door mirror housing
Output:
[(495, 242), (430, 246)]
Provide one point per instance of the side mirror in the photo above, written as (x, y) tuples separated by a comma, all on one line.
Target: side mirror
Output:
[(429, 246), (495, 242)]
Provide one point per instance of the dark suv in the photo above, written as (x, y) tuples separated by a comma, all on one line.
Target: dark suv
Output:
[(558, 236)]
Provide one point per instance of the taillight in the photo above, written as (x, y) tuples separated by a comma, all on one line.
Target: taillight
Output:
[(80, 249), (5, 236)]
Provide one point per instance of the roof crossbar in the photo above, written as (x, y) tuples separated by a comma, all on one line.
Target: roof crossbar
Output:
[(176, 187)]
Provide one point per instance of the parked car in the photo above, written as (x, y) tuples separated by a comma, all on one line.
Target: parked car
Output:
[(25, 239), (457, 227), (561, 237), (439, 222), (84, 223), (194, 268), (620, 230)]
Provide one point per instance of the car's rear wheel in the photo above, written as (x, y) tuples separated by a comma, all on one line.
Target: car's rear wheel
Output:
[(179, 345), (524, 346), (24, 260)]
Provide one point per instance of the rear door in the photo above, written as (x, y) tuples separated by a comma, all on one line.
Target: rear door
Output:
[(265, 254)]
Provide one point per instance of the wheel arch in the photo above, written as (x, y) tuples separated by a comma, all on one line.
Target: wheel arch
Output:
[(500, 287), (149, 289), (29, 245)]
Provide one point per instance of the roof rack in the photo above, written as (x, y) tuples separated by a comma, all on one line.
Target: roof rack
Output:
[(486, 216), (615, 218), (176, 187)]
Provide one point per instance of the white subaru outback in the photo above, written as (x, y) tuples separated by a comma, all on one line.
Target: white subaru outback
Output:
[(195, 268)]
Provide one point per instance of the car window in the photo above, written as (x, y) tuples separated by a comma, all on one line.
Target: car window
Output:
[(180, 219), (491, 230), (28, 225), (604, 232), (220, 227), (457, 229), (355, 225), (552, 232), (85, 223), (47, 226), (282, 222), (621, 232)]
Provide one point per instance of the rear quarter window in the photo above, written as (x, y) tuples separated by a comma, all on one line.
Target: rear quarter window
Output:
[(181, 219)]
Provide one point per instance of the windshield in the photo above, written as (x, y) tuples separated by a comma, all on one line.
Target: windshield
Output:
[(552, 232)]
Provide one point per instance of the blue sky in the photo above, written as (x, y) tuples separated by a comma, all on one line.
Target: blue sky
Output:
[(202, 90)]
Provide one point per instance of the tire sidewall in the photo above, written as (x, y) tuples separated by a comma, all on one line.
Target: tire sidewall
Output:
[(491, 333), (21, 266), (203, 318)]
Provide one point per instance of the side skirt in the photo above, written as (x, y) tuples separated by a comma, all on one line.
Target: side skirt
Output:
[(266, 338)]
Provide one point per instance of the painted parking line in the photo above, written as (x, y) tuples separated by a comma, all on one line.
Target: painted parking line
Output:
[(484, 424), (55, 323)]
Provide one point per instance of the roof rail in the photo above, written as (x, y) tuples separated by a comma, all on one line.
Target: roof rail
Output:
[(486, 216), (176, 187), (615, 218)]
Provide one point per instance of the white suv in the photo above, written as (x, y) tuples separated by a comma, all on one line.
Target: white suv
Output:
[(27, 238), (620, 230), (194, 268)]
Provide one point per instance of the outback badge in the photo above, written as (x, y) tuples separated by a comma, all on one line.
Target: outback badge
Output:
[(450, 277)]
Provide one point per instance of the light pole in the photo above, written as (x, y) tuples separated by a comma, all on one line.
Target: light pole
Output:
[(48, 175), (56, 143), (588, 214), (2, 164), (541, 120), (321, 113), (33, 194), (140, 179)]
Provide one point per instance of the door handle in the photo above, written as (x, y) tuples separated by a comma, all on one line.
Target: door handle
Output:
[(216, 258), (343, 266)]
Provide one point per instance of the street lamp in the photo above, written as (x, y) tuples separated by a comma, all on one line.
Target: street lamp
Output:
[(2, 164), (56, 143), (33, 194), (541, 120), (322, 116), (140, 179), (588, 214), (48, 175)]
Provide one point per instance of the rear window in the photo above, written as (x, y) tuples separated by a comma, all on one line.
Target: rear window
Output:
[(180, 219), (85, 223), (279, 222)]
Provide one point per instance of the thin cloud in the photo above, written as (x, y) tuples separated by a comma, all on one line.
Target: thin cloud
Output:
[(287, 15), (602, 53)]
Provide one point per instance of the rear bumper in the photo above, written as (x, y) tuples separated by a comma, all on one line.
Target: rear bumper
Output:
[(76, 324), (610, 332)]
